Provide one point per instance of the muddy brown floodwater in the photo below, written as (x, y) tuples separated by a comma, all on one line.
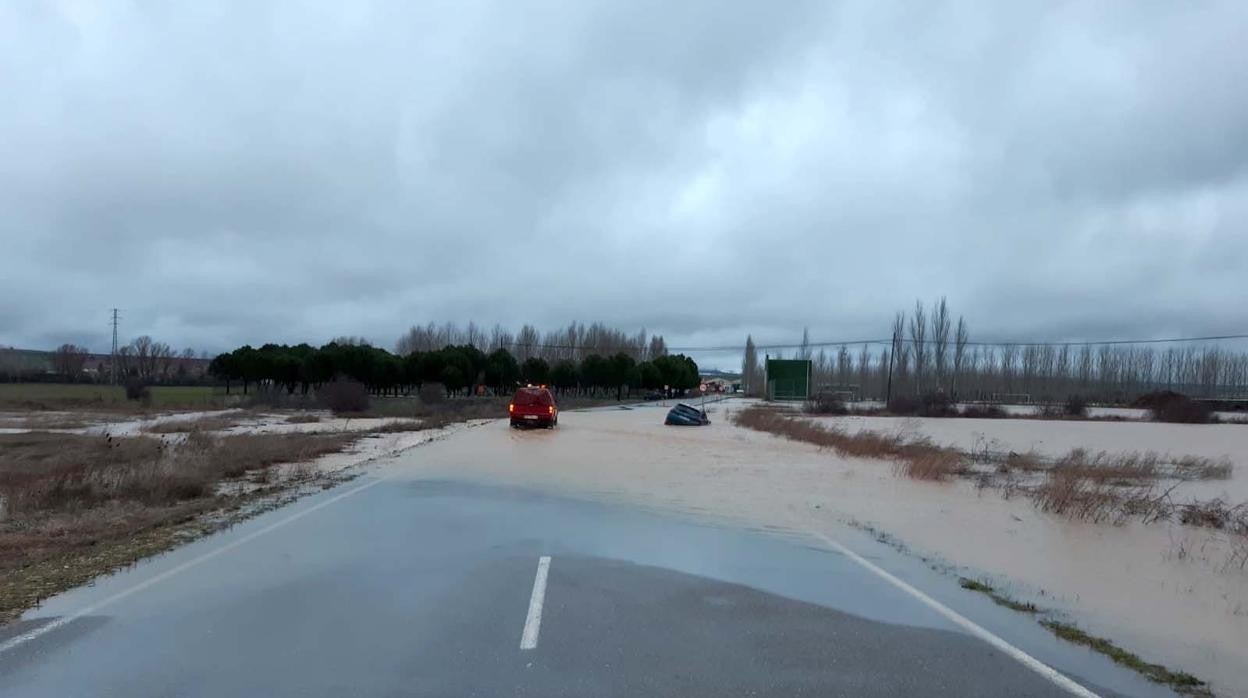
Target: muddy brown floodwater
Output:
[(1057, 437), (1162, 590)]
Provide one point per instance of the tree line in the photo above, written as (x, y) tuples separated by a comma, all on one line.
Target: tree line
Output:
[(458, 369), (930, 351), (574, 342), (143, 358)]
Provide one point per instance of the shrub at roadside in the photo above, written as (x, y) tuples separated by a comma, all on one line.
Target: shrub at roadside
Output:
[(440, 414), (984, 412), (137, 391), (303, 418), (1076, 406), (1169, 406), (935, 404), (343, 396), (826, 403)]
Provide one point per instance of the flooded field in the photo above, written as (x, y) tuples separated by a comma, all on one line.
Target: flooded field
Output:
[(1058, 437), (1035, 410)]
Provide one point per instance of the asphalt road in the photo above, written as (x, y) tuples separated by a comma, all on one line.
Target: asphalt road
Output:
[(403, 586)]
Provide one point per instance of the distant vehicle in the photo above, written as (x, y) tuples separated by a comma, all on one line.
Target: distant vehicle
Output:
[(654, 395), (683, 415), (533, 406)]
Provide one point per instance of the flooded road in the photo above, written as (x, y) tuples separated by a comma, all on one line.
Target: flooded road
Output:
[(402, 583), (1163, 590)]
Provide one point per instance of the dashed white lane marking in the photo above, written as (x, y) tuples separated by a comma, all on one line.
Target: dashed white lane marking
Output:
[(174, 571), (533, 623), (965, 623)]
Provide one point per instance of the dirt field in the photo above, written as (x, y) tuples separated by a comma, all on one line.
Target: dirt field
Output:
[(1162, 590)]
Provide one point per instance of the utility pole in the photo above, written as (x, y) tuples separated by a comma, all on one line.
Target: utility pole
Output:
[(112, 369), (766, 384), (892, 352)]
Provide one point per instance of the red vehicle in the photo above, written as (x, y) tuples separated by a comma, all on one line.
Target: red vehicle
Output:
[(533, 406)]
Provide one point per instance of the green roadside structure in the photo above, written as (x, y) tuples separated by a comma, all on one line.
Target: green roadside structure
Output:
[(788, 379)]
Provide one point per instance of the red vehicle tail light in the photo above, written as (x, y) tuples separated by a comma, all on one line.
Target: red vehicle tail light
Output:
[(511, 407), (550, 410)]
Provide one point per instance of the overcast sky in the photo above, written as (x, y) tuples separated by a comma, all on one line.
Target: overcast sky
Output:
[(246, 172)]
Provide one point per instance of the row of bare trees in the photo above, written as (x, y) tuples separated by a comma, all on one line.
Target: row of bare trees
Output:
[(70, 360), (931, 351), (149, 359), (144, 358), (155, 362), (572, 343)]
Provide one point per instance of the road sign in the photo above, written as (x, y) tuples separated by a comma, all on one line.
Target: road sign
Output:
[(702, 387)]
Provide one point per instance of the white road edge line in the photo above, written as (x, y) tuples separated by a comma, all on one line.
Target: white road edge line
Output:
[(533, 623), (62, 621), (965, 623)]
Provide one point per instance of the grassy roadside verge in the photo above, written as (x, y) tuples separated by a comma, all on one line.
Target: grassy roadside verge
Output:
[(27, 585), (1181, 682), (77, 506)]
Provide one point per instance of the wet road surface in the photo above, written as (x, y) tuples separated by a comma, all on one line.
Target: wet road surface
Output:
[(405, 586)]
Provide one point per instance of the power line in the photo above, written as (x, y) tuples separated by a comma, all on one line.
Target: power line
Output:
[(1102, 342), (886, 342)]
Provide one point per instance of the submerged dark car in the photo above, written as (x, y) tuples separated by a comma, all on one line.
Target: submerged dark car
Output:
[(683, 415)]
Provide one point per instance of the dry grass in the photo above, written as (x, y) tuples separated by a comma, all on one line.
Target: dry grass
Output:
[(49, 421), (926, 462), (206, 423), (78, 506), (66, 490), (398, 427), (917, 458), (1198, 468), (303, 418), (440, 414), (1028, 462), (1097, 487), (1216, 513), (1122, 468), (1069, 492), (1125, 468), (444, 411)]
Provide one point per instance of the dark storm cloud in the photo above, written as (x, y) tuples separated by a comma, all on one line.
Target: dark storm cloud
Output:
[(239, 173)]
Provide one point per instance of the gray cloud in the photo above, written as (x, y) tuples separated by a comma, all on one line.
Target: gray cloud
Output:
[(232, 173)]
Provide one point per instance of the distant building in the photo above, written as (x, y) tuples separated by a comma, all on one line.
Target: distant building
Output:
[(717, 385)]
